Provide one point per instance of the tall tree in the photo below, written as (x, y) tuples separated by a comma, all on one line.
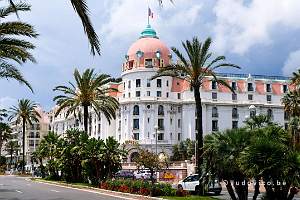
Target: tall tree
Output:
[(296, 78), (12, 46), (5, 134), (3, 114), (258, 121), (12, 147), (91, 90), (25, 112), (194, 68)]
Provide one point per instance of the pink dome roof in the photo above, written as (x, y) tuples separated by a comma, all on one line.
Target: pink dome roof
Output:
[(148, 45)]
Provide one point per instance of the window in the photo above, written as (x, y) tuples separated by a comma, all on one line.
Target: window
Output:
[(178, 95), (158, 93), (129, 95), (286, 126), (37, 135), (214, 95), (171, 121), (160, 123), (250, 87), (284, 88), (148, 82), (137, 93), (234, 97), (130, 64), (233, 85), (138, 83), (136, 124), (167, 94), (136, 110), (235, 113), (270, 113), (31, 135), (124, 84), (178, 123), (179, 136), (179, 109), (215, 112), (136, 136), (148, 93), (268, 87), (269, 98), (160, 110), (167, 83), (148, 62), (148, 106), (160, 136), (129, 84), (158, 83), (235, 124), (215, 125), (148, 120), (31, 143), (213, 85), (250, 97)]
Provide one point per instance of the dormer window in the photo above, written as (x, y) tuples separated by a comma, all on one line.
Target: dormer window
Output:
[(130, 64), (139, 54), (158, 54), (148, 62)]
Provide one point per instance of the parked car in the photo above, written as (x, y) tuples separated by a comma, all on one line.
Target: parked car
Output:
[(124, 174), (144, 174), (191, 183)]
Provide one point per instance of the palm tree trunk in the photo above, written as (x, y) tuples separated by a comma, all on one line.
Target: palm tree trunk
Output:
[(199, 135), (23, 164), (256, 189), (85, 117), (11, 157)]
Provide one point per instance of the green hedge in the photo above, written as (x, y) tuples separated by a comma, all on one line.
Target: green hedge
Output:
[(139, 187)]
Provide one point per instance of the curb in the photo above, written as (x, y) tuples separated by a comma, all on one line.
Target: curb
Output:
[(121, 194)]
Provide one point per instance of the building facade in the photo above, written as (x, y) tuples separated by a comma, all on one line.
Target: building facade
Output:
[(159, 113), (34, 134)]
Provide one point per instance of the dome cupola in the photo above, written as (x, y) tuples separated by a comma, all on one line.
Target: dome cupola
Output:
[(147, 52)]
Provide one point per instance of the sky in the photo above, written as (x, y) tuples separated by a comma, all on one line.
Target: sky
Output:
[(263, 37)]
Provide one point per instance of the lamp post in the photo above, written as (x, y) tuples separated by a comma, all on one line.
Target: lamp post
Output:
[(156, 129)]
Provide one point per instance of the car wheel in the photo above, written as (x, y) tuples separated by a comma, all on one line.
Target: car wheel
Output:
[(180, 187), (217, 192)]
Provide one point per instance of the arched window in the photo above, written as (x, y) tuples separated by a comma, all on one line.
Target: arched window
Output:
[(214, 112), (160, 110), (136, 110)]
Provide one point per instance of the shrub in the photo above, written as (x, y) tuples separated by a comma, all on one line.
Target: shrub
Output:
[(181, 193)]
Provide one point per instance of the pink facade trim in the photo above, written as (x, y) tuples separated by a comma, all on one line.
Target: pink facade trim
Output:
[(260, 87), (206, 85), (116, 86), (179, 85), (276, 88), (241, 86), (223, 88)]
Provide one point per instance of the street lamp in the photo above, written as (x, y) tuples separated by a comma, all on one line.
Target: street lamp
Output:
[(156, 129)]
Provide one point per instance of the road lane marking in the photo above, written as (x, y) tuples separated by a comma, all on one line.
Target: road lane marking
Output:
[(54, 191), (18, 191), (91, 191)]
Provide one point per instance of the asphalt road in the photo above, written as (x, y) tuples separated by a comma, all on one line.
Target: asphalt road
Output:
[(19, 188)]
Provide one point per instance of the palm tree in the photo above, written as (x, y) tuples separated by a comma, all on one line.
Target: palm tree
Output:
[(194, 69), (258, 121), (5, 133), (14, 48), (91, 91), (3, 114), (26, 113), (296, 78), (11, 147)]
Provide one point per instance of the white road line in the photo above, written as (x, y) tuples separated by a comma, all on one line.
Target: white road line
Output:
[(91, 191), (18, 191), (54, 191)]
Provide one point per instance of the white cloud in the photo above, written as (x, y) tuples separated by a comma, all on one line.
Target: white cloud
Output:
[(239, 26), (7, 102), (127, 18), (292, 63)]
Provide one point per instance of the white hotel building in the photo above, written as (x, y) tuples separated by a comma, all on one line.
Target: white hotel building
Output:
[(165, 107)]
